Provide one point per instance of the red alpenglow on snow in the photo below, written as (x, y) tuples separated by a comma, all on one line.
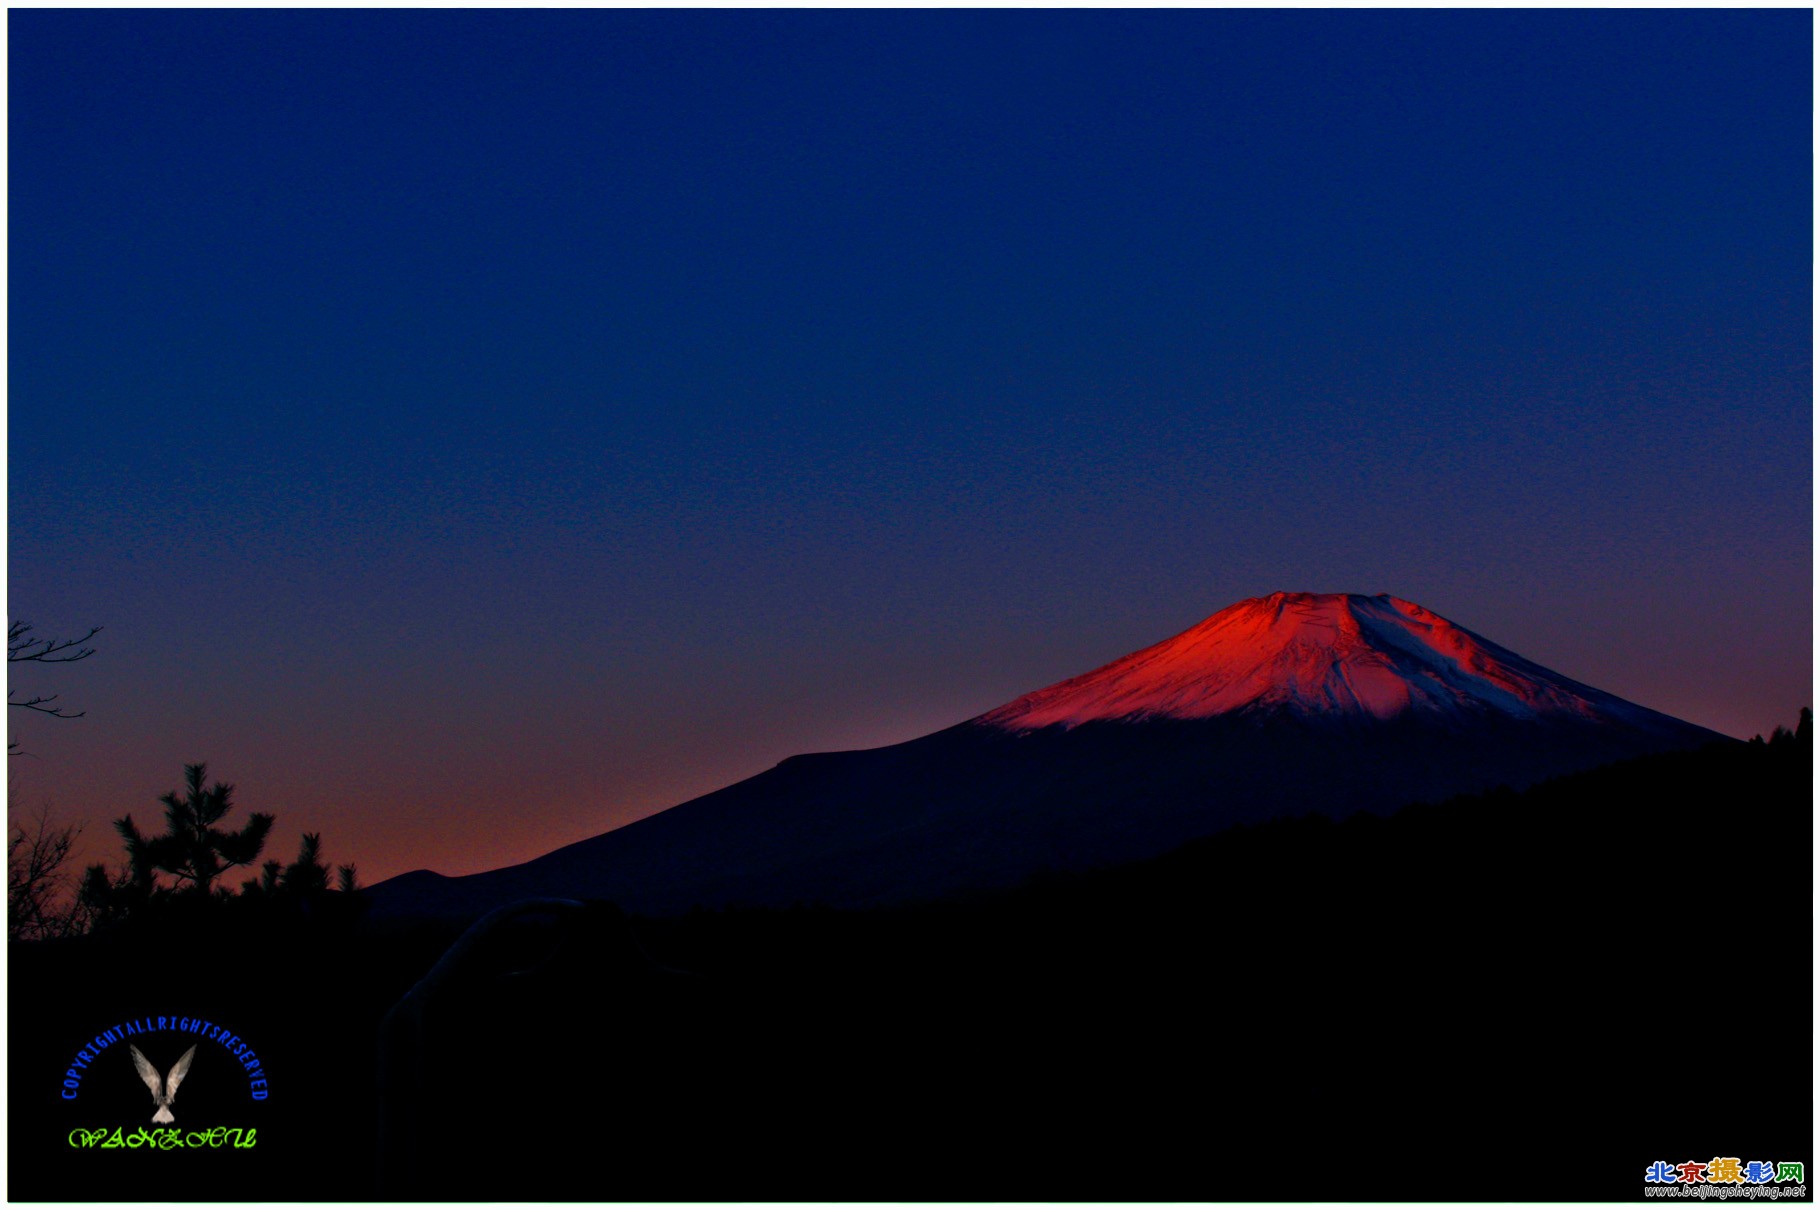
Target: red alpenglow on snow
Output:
[(1315, 654)]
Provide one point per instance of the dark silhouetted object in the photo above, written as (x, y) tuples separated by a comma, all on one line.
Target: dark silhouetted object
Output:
[(22, 648)]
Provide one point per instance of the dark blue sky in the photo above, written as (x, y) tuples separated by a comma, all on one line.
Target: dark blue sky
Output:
[(476, 429)]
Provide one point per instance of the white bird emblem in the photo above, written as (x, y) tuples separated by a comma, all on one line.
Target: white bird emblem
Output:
[(163, 1090)]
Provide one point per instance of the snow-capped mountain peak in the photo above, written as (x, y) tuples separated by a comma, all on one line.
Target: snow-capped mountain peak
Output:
[(1313, 654)]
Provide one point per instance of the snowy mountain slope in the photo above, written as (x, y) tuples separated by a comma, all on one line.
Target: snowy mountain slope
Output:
[(1315, 654)]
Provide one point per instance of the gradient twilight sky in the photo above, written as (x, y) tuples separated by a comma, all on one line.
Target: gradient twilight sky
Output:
[(478, 429)]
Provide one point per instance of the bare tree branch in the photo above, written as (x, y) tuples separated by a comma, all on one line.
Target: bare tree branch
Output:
[(21, 647), (42, 706), (39, 903)]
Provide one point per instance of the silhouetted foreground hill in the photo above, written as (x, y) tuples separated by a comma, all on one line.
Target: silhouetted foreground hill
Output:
[(973, 807), (1525, 996), (1274, 707)]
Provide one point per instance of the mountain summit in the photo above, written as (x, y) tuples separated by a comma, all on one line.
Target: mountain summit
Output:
[(1314, 654), (1290, 704)]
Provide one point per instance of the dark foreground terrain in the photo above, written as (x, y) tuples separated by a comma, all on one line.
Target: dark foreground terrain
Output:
[(1514, 997)]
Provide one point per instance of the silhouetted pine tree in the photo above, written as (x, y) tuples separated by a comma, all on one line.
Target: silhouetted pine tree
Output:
[(266, 885), (193, 850), (307, 878), (109, 899)]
